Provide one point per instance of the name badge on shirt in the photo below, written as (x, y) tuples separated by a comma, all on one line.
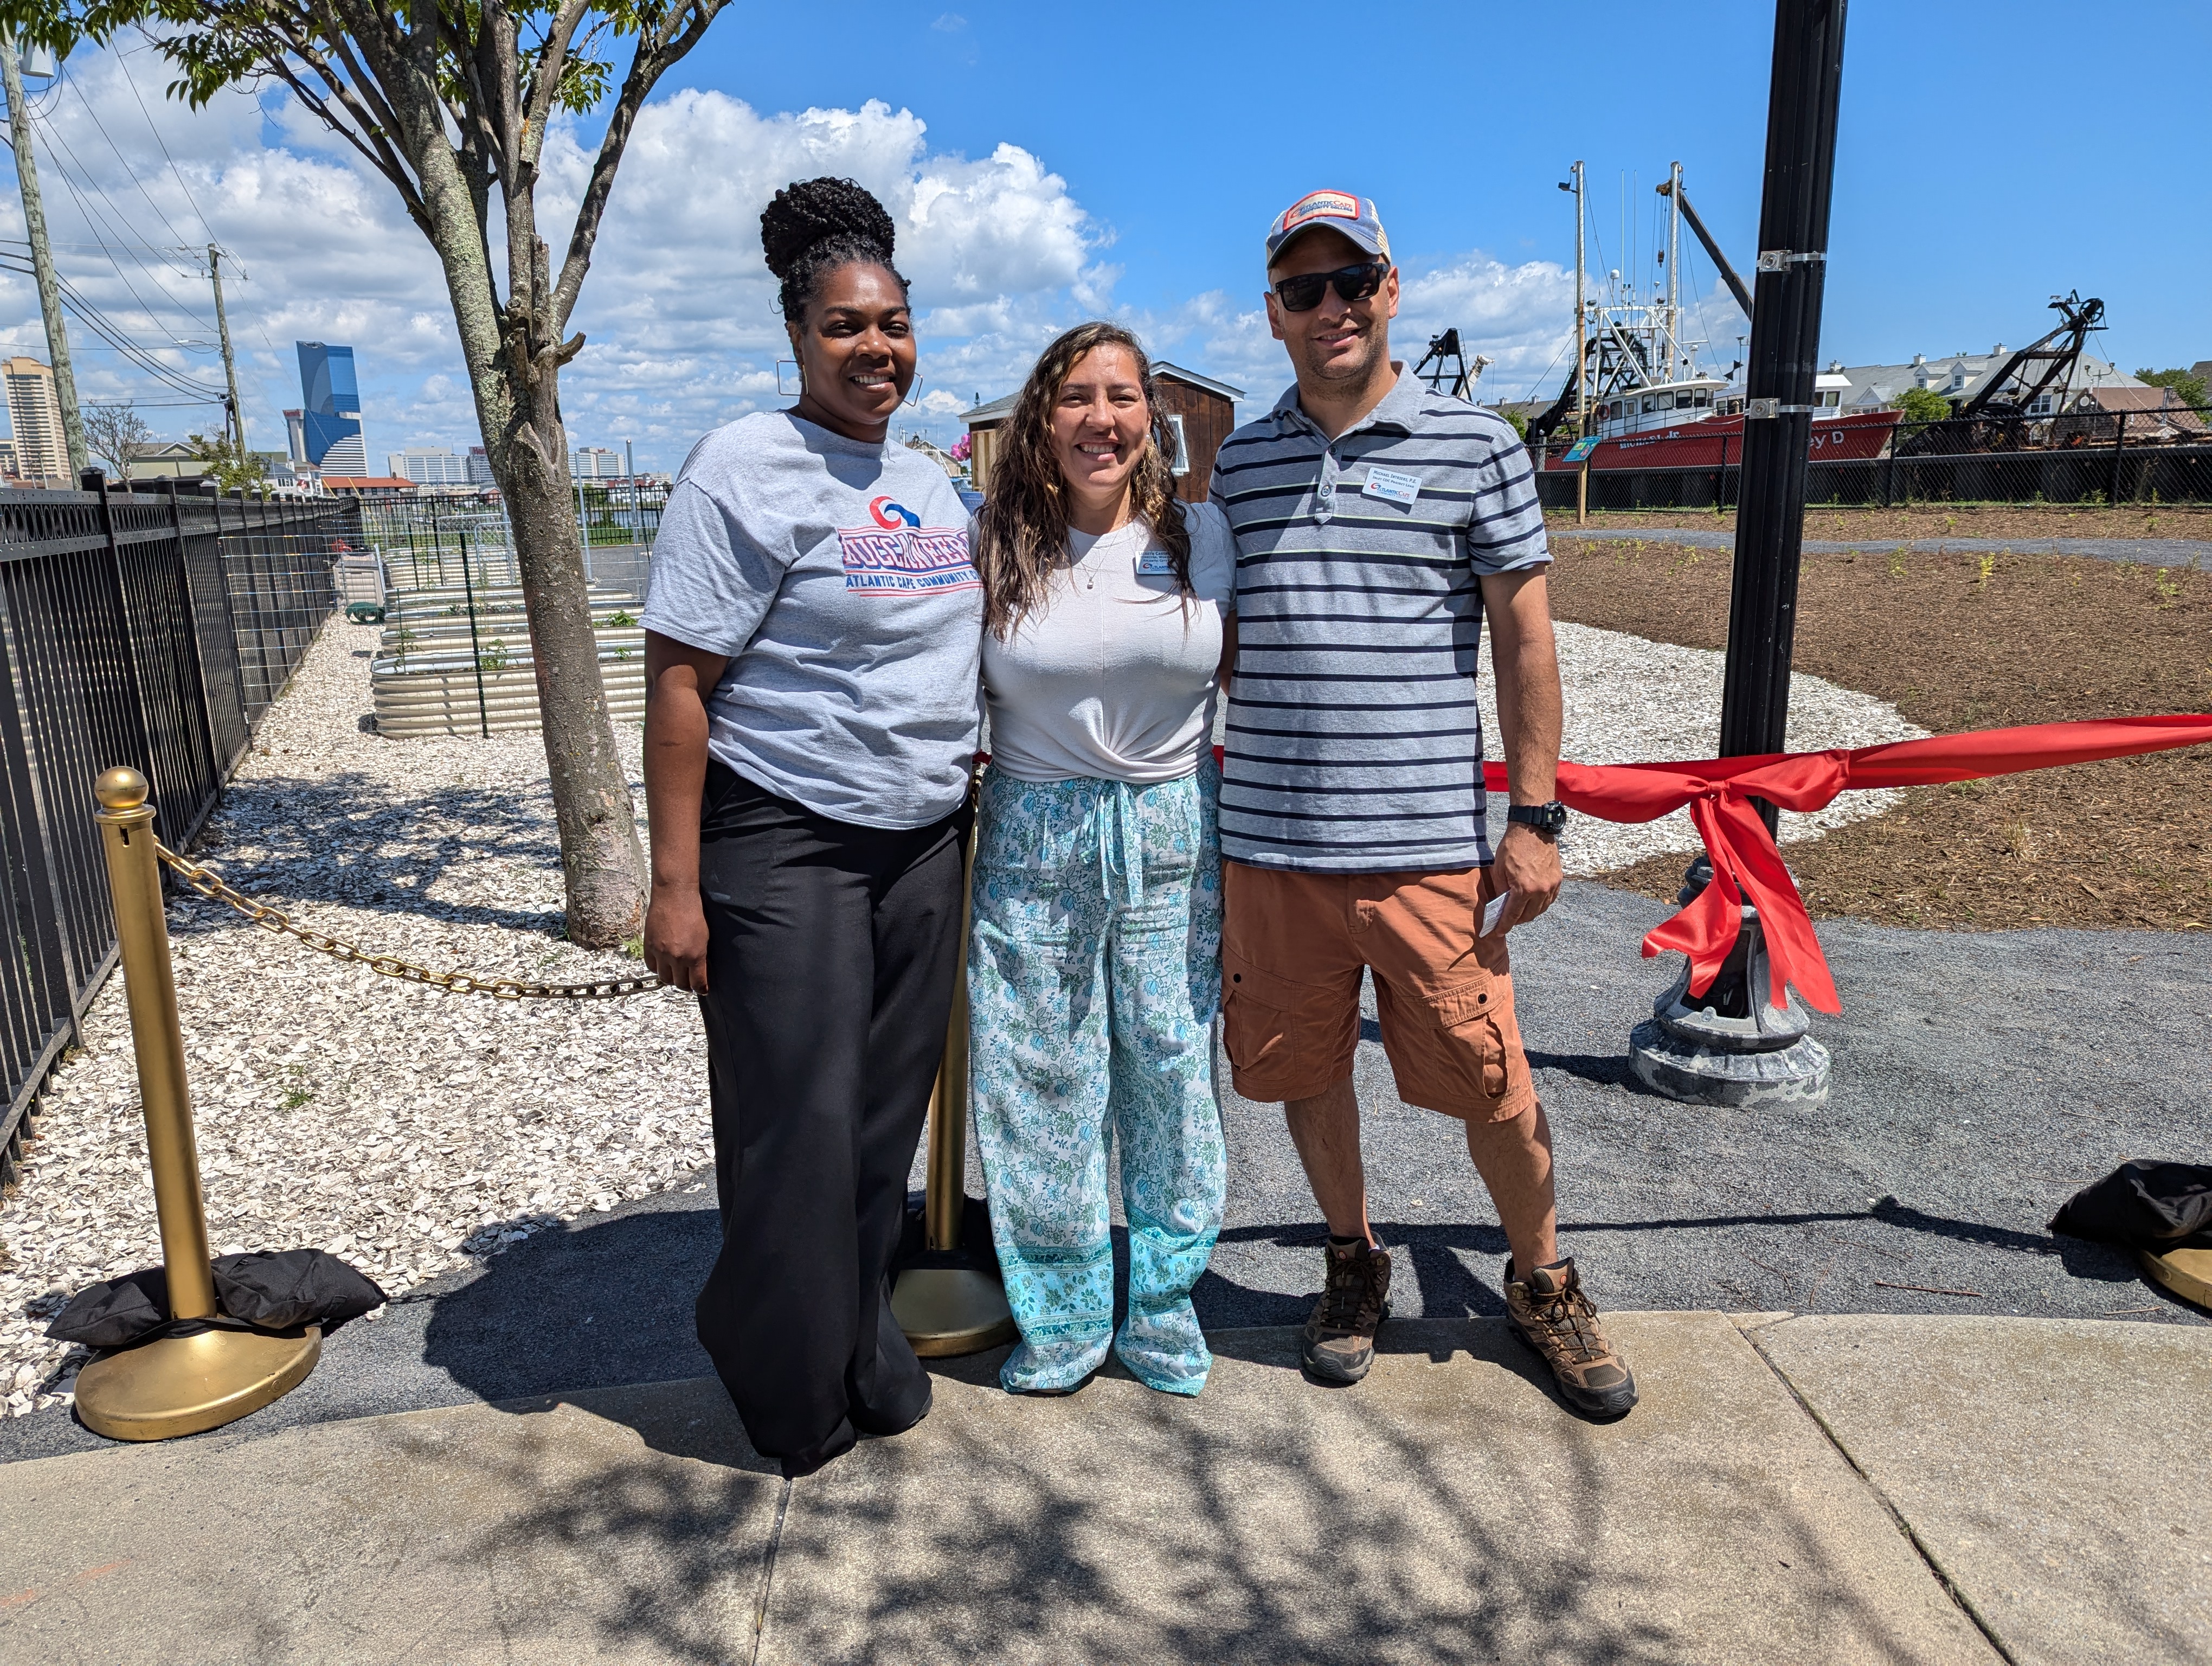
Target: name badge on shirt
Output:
[(1392, 485), (1154, 564)]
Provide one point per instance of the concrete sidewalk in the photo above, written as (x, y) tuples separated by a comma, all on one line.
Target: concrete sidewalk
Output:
[(1838, 1488)]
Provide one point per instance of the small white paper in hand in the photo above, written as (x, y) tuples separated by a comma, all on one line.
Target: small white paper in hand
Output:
[(1493, 911)]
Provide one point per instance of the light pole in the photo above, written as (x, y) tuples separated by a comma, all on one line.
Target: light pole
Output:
[(1730, 1044)]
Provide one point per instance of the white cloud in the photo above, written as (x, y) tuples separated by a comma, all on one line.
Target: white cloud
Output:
[(679, 310)]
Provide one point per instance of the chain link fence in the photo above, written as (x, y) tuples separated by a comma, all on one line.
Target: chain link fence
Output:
[(2082, 458), (447, 542)]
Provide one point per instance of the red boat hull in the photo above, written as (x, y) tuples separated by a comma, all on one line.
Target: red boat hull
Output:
[(1718, 441)]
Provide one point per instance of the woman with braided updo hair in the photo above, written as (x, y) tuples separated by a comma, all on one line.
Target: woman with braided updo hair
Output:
[(811, 642)]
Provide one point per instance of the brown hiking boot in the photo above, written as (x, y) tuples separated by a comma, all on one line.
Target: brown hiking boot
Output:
[(1550, 1313), (1341, 1336)]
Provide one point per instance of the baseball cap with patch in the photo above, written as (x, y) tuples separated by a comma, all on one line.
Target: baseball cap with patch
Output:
[(1356, 217)]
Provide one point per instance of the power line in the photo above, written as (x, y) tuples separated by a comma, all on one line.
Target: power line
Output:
[(123, 63), (103, 221), (77, 87), (101, 326)]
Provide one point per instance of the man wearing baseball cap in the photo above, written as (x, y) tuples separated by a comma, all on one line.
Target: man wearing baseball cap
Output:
[(1378, 525)]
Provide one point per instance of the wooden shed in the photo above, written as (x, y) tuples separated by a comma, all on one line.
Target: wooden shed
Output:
[(1199, 409)]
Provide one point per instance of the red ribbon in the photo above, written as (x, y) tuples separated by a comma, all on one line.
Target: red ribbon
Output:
[(1747, 867)]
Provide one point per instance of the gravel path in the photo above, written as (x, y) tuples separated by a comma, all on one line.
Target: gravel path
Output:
[(2145, 551), (416, 1133), (408, 1130), (1629, 701)]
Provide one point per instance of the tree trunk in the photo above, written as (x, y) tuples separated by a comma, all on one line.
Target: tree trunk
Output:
[(513, 353), (602, 861)]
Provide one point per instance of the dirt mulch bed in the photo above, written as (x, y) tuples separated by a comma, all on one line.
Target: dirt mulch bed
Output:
[(1880, 526), (1960, 642)]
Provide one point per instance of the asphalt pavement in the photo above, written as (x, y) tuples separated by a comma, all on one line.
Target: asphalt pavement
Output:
[(1979, 1079)]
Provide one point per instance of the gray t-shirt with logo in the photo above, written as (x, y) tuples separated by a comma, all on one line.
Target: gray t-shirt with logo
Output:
[(835, 576)]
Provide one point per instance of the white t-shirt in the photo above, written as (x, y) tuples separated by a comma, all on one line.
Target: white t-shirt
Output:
[(1112, 677)]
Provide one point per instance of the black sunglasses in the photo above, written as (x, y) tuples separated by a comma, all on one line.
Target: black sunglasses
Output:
[(1302, 293)]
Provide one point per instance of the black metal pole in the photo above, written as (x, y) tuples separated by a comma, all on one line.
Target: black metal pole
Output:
[(476, 647), (1785, 343)]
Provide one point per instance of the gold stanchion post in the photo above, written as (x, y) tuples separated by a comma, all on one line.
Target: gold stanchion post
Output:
[(177, 1384), (945, 1303)]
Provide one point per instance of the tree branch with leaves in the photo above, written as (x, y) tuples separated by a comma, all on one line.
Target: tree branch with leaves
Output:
[(451, 104)]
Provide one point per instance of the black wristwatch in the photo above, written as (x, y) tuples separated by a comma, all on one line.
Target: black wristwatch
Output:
[(1546, 818)]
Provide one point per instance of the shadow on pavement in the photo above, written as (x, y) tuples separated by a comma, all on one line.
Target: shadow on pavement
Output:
[(593, 1306), (1444, 1512)]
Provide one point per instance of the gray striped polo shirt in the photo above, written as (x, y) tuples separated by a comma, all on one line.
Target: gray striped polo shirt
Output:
[(1354, 743)]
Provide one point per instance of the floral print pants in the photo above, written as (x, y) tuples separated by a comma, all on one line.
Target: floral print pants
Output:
[(1094, 974)]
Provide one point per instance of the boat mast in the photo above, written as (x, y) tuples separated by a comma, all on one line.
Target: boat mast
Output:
[(1674, 268)]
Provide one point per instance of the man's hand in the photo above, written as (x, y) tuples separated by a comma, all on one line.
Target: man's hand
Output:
[(1528, 865), (1529, 714), (676, 940)]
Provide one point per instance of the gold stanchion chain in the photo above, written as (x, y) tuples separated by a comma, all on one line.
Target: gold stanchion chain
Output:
[(209, 884)]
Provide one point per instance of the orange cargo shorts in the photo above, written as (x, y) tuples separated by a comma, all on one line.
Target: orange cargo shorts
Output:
[(1292, 948)]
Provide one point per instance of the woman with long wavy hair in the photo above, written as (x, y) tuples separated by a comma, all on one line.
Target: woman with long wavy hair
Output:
[(1094, 961)]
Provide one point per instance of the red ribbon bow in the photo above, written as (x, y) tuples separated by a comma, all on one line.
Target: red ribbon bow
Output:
[(1747, 867)]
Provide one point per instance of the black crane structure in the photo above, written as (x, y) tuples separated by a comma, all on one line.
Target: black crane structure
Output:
[(1989, 419), (1444, 367)]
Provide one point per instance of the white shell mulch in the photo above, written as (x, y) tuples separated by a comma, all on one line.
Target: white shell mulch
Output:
[(412, 1131), (1629, 701), (405, 1129)]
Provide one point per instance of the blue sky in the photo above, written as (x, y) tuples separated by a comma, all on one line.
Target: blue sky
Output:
[(1048, 164), (1985, 158)]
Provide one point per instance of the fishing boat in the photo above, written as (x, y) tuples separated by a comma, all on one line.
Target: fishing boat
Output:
[(1697, 423), (1636, 376)]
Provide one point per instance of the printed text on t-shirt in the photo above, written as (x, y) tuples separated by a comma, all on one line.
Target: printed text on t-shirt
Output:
[(924, 560)]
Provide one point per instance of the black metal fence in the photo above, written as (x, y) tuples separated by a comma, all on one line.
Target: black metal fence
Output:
[(2081, 458), (152, 629)]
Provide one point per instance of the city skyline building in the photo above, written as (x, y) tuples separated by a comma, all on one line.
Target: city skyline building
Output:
[(34, 411), (595, 463), (480, 467), (429, 465), (329, 435)]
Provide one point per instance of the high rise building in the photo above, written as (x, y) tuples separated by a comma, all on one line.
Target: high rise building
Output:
[(40, 451), (428, 465), (595, 463), (479, 467), (330, 421)]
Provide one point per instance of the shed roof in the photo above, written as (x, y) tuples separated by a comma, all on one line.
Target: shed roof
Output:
[(2163, 402)]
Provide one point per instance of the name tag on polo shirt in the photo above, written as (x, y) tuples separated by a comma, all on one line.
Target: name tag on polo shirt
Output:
[(1392, 485), (1154, 564)]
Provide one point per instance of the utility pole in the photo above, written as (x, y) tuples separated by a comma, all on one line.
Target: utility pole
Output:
[(229, 364), (42, 259), (1785, 343), (1674, 269), (1582, 353)]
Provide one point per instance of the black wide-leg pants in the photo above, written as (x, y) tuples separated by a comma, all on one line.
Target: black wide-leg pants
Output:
[(831, 951)]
